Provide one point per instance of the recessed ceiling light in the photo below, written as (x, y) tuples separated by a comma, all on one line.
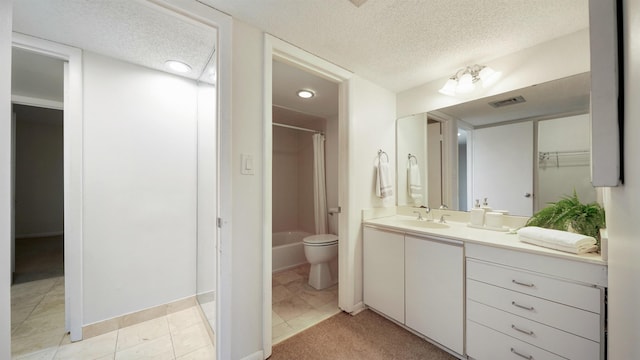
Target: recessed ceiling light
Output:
[(306, 94), (177, 66)]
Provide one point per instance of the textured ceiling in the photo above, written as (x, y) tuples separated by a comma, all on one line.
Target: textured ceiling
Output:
[(134, 31), (401, 44)]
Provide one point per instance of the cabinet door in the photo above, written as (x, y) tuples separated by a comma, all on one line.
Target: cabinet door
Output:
[(383, 272), (434, 290)]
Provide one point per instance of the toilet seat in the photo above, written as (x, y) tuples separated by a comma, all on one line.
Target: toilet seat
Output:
[(320, 240)]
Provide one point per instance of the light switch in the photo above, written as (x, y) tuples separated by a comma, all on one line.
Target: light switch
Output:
[(247, 165)]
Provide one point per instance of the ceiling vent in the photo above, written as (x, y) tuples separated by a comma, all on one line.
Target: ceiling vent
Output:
[(506, 102)]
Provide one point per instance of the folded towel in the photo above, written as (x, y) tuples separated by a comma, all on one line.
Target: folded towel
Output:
[(415, 187), (582, 249), (558, 240), (384, 186)]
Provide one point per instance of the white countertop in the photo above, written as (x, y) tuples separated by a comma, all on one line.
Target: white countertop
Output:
[(461, 232)]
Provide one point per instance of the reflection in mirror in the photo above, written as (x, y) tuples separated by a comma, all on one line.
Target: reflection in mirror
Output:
[(521, 149)]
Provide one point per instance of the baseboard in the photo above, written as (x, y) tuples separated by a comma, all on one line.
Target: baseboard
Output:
[(258, 355), (137, 317), (44, 234), (357, 308)]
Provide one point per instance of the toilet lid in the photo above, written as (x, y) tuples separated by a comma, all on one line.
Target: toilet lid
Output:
[(321, 239)]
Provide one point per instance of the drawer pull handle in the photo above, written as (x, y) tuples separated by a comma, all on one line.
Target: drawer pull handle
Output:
[(529, 357), (530, 308), (521, 283), (528, 332)]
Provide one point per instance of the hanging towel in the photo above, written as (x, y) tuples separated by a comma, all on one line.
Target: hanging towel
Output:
[(557, 239), (384, 186), (414, 186)]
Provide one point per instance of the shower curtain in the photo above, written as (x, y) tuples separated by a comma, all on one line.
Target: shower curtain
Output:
[(319, 186)]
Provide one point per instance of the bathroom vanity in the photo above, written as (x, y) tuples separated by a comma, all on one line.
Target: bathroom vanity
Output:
[(483, 294)]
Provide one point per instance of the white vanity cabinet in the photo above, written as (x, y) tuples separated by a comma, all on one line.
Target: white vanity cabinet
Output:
[(383, 272), (434, 289), (530, 306), (417, 281)]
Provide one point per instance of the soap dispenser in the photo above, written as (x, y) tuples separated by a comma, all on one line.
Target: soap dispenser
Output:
[(477, 203), (485, 205)]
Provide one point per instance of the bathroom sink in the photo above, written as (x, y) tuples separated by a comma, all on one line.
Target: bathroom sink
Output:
[(424, 224)]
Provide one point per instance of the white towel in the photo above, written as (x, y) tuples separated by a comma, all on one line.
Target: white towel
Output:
[(384, 186), (581, 249), (414, 186), (557, 239)]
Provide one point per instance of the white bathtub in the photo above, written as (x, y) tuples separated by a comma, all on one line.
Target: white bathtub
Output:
[(288, 250)]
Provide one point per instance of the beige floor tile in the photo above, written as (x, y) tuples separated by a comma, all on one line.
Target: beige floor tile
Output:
[(25, 300), (281, 332), (189, 339), (144, 332), (45, 323), (158, 349), (49, 306), (285, 277), (46, 354), (144, 315), (316, 298), (93, 348), (32, 288), (205, 353), (20, 313), (33, 344), (291, 307), (108, 357), (276, 319), (184, 318), (279, 293)]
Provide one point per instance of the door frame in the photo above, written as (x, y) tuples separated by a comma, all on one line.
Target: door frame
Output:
[(73, 170), (276, 49)]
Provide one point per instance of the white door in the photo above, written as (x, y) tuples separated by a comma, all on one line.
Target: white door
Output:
[(503, 167)]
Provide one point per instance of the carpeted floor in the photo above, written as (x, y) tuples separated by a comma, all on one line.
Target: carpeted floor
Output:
[(39, 258), (364, 336)]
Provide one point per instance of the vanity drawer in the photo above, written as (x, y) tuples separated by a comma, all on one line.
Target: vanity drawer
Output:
[(553, 340), (484, 343), (581, 296), (563, 317)]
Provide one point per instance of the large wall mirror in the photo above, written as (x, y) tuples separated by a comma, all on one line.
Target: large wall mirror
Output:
[(520, 150)]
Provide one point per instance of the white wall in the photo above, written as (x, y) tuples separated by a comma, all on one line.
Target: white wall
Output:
[(5, 176), (247, 192), (39, 188), (286, 182), (624, 207), (371, 127), (139, 188)]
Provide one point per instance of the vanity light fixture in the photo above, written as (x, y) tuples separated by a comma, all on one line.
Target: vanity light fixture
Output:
[(306, 94), (465, 79), (177, 66)]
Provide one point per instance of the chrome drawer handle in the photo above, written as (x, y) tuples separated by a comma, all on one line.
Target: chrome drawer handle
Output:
[(523, 284), (530, 308), (528, 332), (529, 357)]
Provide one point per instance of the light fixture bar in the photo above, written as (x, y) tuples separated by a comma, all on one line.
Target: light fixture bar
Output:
[(464, 80)]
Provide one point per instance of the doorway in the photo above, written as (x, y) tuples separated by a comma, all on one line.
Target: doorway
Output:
[(38, 316), (280, 51)]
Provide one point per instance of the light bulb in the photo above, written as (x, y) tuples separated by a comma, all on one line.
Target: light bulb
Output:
[(449, 87), (465, 84)]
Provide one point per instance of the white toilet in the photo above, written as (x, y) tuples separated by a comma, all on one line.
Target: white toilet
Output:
[(320, 250)]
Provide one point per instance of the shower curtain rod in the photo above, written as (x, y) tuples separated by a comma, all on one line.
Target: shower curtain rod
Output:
[(298, 128)]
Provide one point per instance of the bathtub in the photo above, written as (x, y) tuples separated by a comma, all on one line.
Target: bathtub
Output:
[(288, 250)]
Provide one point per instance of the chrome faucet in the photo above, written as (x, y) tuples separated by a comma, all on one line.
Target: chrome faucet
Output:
[(442, 221), (420, 218)]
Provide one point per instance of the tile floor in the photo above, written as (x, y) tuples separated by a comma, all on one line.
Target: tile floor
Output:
[(37, 331), (296, 305)]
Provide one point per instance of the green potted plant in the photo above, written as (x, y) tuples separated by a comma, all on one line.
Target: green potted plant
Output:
[(569, 214)]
